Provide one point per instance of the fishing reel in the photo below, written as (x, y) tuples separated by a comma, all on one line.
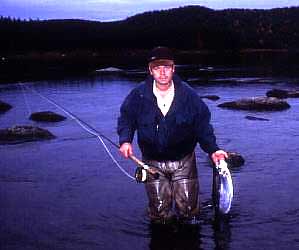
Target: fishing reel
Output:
[(141, 173)]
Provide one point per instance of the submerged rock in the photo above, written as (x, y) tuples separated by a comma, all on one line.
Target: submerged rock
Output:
[(282, 94), (46, 116), (211, 97), (110, 70), (19, 134), (254, 118), (257, 103), (4, 107), (234, 160)]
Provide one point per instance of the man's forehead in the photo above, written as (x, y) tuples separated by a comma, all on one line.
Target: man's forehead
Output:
[(161, 62)]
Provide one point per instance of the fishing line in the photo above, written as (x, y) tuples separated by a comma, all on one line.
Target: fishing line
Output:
[(88, 128), (25, 99)]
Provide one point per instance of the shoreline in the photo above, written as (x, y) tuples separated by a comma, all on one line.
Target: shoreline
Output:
[(45, 65)]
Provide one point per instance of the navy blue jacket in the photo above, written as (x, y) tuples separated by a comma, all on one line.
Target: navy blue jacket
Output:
[(171, 137)]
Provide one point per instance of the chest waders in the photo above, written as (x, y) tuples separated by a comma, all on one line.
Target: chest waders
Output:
[(177, 185)]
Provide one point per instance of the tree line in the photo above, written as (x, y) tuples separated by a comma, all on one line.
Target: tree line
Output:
[(185, 28)]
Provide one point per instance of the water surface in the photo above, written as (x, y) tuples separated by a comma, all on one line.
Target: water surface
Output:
[(68, 194)]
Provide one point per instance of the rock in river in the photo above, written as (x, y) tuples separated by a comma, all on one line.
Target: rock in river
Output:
[(46, 116), (4, 107), (211, 97), (254, 118), (280, 93), (19, 134), (257, 103), (234, 160), (110, 70)]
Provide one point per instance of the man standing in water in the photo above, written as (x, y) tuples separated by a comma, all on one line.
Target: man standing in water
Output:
[(170, 119)]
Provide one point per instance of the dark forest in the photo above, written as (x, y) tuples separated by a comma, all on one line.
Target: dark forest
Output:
[(181, 28), (79, 44)]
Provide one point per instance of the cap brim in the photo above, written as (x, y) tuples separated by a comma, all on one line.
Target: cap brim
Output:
[(161, 62)]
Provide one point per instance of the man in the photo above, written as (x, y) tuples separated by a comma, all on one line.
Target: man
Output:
[(170, 119)]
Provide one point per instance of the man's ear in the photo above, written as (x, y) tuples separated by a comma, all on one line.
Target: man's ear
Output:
[(150, 70), (173, 68)]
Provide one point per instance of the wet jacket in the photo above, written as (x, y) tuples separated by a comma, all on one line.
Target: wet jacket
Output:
[(171, 137)]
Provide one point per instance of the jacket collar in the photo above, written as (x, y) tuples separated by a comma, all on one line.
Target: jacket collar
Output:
[(178, 92), (150, 81)]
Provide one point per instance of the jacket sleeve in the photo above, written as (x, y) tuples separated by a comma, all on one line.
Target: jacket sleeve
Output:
[(126, 124), (204, 130)]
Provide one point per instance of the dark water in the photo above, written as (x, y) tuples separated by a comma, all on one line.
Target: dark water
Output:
[(67, 193)]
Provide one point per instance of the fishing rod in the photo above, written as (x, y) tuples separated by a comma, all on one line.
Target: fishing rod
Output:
[(140, 174)]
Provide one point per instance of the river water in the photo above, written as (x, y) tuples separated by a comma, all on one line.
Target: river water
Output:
[(67, 193)]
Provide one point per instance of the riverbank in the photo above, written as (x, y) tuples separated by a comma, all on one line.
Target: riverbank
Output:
[(31, 66)]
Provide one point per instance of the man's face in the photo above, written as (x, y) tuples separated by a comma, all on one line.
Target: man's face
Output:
[(162, 72)]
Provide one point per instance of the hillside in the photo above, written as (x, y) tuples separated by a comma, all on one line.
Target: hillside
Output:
[(181, 28)]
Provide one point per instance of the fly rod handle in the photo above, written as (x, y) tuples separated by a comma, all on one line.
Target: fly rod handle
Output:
[(136, 160)]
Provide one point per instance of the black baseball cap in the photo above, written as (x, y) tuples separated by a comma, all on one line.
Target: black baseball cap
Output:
[(160, 53)]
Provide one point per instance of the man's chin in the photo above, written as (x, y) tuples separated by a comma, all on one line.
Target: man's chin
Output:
[(164, 82)]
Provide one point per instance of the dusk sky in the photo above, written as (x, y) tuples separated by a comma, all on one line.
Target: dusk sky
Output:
[(103, 10)]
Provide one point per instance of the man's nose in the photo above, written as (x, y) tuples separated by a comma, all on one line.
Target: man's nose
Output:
[(162, 71)]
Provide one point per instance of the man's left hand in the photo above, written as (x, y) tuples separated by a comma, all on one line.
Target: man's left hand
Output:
[(218, 155)]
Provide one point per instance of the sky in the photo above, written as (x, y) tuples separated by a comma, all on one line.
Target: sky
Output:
[(111, 10)]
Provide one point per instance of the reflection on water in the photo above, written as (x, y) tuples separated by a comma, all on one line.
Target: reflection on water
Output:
[(179, 237), (222, 232), (67, 193), (190, 236)]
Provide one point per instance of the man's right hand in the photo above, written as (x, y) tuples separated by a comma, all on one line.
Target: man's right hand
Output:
[(126, 149)]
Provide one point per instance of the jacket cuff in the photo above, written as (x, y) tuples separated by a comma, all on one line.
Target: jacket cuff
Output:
[(123, 139), (213, 150)]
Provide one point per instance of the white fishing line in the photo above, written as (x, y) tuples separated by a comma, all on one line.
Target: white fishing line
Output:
[(86, 127), (25, 99)]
